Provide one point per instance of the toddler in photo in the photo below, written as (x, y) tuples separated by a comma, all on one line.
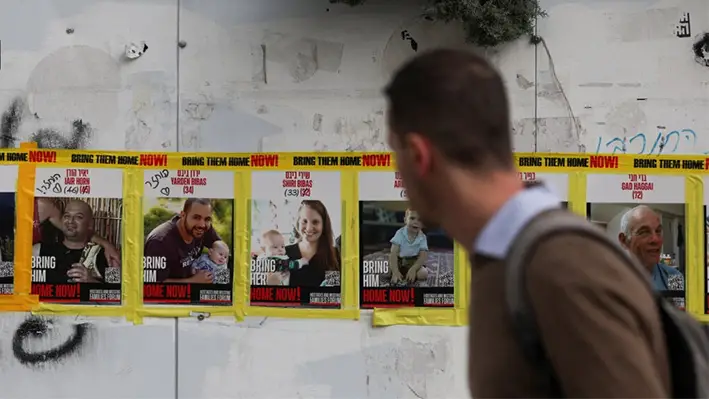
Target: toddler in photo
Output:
[(215, 262), (273, 245), (409, 250)]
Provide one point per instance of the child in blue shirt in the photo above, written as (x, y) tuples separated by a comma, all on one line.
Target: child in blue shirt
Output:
[(409, 250)]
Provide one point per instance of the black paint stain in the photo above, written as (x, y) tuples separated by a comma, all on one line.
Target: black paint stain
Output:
[(37, 328), (79, 137), (10, 123), (701, 50), (405, 35)]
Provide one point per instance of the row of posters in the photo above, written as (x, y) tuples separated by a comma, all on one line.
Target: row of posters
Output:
[(188, 253), (296, 231)]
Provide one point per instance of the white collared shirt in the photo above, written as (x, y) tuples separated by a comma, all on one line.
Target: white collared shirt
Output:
[(499, 233)]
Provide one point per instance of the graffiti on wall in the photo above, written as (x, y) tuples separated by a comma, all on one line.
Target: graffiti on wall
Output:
[(683, 141), (684, 28), (36, 329), (12, 119)]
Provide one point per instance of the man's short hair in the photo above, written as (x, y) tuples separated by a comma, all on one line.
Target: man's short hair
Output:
[(87, 207), (189, 201), (457, 100)]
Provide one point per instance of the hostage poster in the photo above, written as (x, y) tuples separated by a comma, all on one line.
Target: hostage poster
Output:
[(296, 230), (188, 226), (77, 235), (403, 261)]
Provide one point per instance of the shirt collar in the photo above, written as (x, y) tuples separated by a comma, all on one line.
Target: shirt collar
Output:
[(498, 234)]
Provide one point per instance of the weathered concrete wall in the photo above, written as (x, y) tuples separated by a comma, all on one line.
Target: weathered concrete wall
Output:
[(303, 75)]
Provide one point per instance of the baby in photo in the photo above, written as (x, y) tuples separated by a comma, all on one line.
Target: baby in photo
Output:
[(215, 262), (409, 251), (273, 245)]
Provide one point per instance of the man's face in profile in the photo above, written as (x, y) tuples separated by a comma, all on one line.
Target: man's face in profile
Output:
[(198, 219), (77, 221)]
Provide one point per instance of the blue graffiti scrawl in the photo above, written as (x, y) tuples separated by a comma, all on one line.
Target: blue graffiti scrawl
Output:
[(640, 144)]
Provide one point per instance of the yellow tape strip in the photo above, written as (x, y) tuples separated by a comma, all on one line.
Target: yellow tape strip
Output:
[(300, 313), (182, 311), (83, 310), (420, 317), (462, 278), (242, 261), (24, 225), (132, 267), (352, 248), (18, 303), (349, 274), (577, 193), (694, 246), (372, 161)]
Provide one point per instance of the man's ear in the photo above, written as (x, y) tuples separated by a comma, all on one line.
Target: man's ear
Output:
[(420, 153), (182, 214), (622, 239)]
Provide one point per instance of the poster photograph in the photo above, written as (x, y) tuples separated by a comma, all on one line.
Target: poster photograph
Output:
[(8, 180), (645, 214), (77, 235), (188, 227), (403, 261), (296, 235)]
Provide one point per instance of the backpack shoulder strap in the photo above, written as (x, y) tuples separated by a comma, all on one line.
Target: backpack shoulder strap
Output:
[(543, 226)]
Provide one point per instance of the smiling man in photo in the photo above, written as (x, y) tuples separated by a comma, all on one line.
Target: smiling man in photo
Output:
[(180, 241)]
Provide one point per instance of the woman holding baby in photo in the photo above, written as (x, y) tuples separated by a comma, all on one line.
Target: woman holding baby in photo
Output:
[(314, 253)]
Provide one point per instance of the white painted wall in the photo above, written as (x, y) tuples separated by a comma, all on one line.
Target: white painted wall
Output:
[(614, 66)]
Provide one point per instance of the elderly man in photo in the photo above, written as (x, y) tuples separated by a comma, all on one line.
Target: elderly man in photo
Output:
[(641, 234)]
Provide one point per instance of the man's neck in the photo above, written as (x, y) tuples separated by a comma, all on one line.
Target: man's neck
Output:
[(467, 212), (651, 268), (184, 234), (73, 244)]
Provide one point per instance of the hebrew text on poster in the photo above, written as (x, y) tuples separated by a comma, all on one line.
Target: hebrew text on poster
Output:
[(558, 183), (77, 235), (296, 228), (404, 262), (188, 226), (645, 214)]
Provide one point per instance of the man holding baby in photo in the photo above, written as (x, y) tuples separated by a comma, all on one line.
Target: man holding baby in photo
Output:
[(180, 242)]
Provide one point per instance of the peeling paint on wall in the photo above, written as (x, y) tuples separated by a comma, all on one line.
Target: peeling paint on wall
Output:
[(303, 57)]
